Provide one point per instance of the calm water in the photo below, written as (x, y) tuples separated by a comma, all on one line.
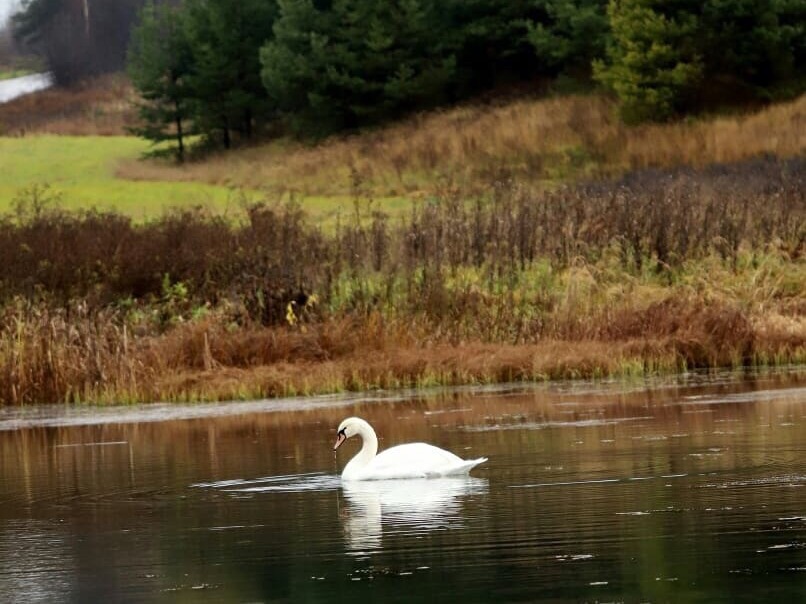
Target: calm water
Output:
[(664, 491), (14, 87)]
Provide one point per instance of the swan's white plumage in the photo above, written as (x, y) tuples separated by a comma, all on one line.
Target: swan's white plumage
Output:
[(414, 460)]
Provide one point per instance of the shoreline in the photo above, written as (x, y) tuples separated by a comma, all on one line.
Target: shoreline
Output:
[(404, 368), (436, 399)]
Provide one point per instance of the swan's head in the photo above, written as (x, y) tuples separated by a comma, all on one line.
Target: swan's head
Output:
[(349, 427)]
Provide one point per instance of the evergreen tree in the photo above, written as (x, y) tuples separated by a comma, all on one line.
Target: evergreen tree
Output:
[(653, 64), (293, 63), (752, 48), (355, 62), (491, 42), (159, 64), (77, 39), (574, 33), (668, 58), (225, 37)]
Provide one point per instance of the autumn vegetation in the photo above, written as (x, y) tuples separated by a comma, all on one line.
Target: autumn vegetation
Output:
[(101, 106), (540, 141), (494, 215), (660, 270)]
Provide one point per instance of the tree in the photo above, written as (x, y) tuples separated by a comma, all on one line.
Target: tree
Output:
[(77, 38), (354, 63), (753, 48), (7, 47), (159, 63), (740, 50), (225, 38), (490, 40), (653, 60), (574, 33)]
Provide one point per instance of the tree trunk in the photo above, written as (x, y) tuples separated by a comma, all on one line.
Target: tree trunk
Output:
[(180, 143), (227, 142), (247, 123)]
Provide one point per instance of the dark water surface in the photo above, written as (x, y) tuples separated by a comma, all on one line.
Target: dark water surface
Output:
[(680, 490)]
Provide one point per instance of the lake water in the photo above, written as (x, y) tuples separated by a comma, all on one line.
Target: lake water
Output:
[(14, 87), (681, 489)]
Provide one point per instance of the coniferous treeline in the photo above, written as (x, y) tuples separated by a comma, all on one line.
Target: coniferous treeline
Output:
[(317, 66), (228, 69), (197, 69)]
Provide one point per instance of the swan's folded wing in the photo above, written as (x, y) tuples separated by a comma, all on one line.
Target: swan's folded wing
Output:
[(417, 460)]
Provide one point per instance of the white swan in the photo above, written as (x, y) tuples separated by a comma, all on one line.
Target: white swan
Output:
[(415, 460)]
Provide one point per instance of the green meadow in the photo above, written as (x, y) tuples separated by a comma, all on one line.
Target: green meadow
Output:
[(80, 171), (11, 73)]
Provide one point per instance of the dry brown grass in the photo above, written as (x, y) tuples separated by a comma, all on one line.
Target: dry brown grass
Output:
[(102, 106), (71, 355), (533, 140)]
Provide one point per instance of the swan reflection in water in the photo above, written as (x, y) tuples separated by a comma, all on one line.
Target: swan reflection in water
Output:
[(415, 505)]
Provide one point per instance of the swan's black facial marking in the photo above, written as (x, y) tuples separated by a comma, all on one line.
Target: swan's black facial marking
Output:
[(341, 436)]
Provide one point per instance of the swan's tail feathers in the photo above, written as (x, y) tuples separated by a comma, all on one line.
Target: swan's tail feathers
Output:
[(469, 465)]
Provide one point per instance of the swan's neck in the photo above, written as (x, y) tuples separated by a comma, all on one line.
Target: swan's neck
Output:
[(369, 448)]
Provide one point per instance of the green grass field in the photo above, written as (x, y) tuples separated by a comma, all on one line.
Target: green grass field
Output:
[(81, 171), (10, 73)]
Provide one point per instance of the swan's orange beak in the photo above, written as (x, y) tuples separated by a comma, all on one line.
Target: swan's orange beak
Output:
[(340, 438)]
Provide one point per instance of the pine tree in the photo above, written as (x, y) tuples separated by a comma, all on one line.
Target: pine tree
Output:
[(159, 65), (753, 48), (574, 33), (490, 40), (653, 61), (669, 58), (225, 37), (355, 62)]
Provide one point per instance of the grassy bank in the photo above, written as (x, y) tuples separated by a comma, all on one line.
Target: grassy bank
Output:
[(73, 139), (207, 360), (99, 107), (657, 271), (80, 172), (540, 142), (449, 248)]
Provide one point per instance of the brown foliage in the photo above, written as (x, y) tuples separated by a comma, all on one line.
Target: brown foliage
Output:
[(275, 256), (102, 106), (48, 356)]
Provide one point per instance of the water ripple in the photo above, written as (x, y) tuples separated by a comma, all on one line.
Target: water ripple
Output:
[(291, 483)]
